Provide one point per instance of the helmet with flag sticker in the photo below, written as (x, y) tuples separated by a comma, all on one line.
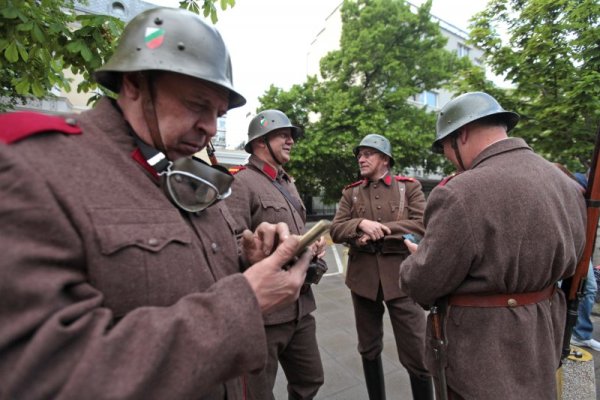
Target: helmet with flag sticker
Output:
[(174, 40), (267, 121)]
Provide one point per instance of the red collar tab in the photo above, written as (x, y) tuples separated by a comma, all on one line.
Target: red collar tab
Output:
[(401, 178), (387, 180), (16, 126), (141, 160), (447, 179), (269, 171), (236, 169), (355, 184)]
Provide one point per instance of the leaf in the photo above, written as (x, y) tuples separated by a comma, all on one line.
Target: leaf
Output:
[(22, 87), (23, 52), (11, 53), (86, 53)]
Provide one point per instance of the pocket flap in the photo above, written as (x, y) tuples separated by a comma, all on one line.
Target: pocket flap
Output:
[(148, 229)]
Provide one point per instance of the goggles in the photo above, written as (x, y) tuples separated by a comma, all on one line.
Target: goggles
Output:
[(190, 183)]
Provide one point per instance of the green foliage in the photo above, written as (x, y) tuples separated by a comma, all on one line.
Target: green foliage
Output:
[(208, 7), (40, 40), (551, 54), (387, 55)]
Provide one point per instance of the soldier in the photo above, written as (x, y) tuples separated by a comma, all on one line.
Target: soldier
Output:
[(499, 236), (263, 192), (372, 217), (119, 268)]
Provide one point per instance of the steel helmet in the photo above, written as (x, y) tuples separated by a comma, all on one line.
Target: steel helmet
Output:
[(174, 40), (467, 108), (377, 142), (267, 121)]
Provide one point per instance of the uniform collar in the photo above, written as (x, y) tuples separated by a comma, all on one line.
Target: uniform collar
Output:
[(386, 179), (267, 169), (502, 146)]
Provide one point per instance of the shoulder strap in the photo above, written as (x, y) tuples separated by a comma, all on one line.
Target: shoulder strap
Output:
[(402, 193), (291, 199), (16, 126)]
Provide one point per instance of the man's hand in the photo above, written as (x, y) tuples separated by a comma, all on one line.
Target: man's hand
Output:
[(258, 245), (373, 229), (412, 246), (318, 247), (273, 286)]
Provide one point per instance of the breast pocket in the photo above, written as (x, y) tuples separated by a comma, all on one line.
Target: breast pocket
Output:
[(146, 257)]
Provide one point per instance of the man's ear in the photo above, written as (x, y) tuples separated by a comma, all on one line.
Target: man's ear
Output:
[(130, 86)]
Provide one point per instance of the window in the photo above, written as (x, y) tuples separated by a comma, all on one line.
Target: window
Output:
[(463, 51), (427, 98)]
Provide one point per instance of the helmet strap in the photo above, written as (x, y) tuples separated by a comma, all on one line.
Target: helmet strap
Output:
[(454, 144), (271, 150), (147, 92)]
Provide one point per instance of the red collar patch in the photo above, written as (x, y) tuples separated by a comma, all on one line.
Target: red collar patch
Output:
[(139, 158), (269, 171), (16, 126)]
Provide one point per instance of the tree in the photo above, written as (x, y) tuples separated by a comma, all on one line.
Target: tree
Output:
[(387, 55), (39, 40), (551, 55)]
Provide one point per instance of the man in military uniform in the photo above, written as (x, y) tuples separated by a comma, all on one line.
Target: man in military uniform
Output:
[(263, 192), (372, 217), (499, 236), (119, 268)]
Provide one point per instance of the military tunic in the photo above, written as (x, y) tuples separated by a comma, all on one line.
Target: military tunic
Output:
[(513, 223), (108, 291), (291, 331), (397, 202)]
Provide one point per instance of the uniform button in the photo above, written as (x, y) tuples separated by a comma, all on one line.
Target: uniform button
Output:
[(379, 207), (214, 247), (70, 121), (512, 303), (374, 186), (153, 242), (377, 196), (378, 219)]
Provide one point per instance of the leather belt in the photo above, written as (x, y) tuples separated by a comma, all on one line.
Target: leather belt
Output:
[(500, 300)]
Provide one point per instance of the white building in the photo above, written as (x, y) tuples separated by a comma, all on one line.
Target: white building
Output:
[(328, 39)]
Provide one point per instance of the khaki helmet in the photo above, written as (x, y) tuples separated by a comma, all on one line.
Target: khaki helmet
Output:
[(174, 40), (467, 108), (377, 142), (267, 121)]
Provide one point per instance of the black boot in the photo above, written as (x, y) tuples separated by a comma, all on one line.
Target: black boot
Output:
[(374, 378), (422, 389)]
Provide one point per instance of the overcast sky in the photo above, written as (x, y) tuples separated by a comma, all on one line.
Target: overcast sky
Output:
[(269, 41)]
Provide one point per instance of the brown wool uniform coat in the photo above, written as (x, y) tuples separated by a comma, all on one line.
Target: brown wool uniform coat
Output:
[(398, 203), (291, 332), (512, 223), (377, 201), (108, 291)]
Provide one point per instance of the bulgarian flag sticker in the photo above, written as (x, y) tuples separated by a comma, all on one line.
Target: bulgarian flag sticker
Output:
[(154, 37)]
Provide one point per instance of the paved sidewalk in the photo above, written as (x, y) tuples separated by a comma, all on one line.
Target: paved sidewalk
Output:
[(336, 335)]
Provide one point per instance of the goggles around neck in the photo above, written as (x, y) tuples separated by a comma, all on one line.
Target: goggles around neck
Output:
[(190, 183)]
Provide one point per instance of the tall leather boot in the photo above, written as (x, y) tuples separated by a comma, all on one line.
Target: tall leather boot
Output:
[(422, 389), (374, 378)]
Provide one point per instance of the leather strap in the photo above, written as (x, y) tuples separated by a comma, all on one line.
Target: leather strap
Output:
[(500, 300)]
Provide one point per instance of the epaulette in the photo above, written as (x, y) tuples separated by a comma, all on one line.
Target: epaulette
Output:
[(401, 178), (447, 179), (354, 184), (20, 125), (236, 169)]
